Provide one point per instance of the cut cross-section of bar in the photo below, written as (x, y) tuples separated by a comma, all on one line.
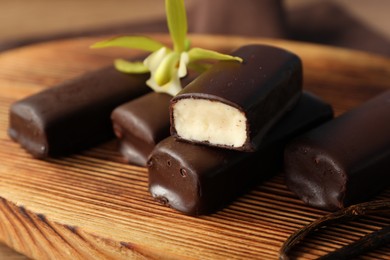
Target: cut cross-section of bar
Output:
[(210, 121), (233, 105)]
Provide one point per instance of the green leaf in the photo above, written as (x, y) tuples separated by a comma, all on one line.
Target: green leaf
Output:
[(133, 42), (187, 44), (165, 70), (202, 54), (199, 67), (177, 23), (130, 67)]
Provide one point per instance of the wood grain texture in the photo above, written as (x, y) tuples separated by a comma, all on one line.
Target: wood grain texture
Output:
[(91, 206)]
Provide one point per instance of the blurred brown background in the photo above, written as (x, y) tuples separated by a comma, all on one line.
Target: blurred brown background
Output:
[(359, 24)]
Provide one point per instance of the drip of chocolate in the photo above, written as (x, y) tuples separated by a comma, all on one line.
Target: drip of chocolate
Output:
[(197, 179), (73, 115), (346, 160), (233, 105)]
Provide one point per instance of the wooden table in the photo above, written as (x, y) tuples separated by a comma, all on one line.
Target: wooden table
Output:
[(89, 205)]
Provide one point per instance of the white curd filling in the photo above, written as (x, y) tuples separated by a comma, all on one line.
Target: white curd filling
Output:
[(210, 121)]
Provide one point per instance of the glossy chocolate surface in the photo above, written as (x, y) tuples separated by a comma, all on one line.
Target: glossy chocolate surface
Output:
[(197, 179), (140, 124), (73, 115), (346, 160), (264, 87)]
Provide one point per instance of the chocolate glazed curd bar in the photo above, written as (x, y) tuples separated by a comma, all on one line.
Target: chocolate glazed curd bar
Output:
[(73, 115), (197, 179), (346, 160), (141, 123), (233, 105)]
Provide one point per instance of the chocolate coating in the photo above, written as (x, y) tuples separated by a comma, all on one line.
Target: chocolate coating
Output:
[(264, 87), (198, 179), (73, 115), (140, 124), (346, 160)]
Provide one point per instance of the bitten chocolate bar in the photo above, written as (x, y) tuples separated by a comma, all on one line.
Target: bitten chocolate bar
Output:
[(233, 105), (198, 179), (73, 115), (346, 160)]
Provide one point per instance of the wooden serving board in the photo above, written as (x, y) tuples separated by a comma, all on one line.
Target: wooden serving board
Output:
[(91, 206)]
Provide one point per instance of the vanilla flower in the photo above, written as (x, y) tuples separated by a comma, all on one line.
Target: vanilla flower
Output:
[(166, 66)]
